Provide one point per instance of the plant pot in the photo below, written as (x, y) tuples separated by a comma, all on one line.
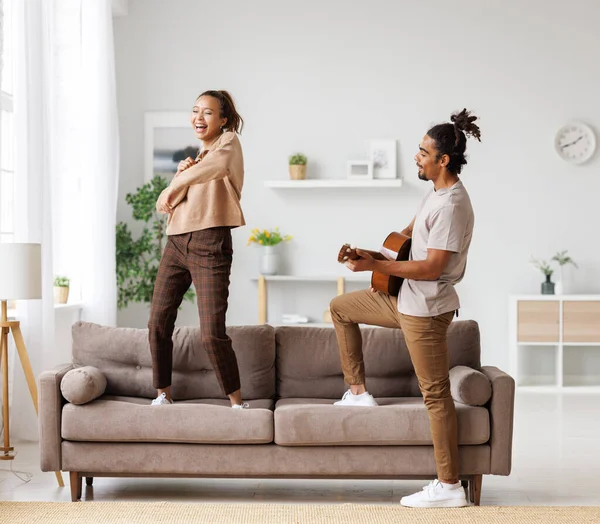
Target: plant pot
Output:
[(61, 295), (548, 286), (269, 260), (559, 286), (298, 172)]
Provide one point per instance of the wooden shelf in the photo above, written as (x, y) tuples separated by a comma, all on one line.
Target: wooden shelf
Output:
[(314, 278), (324, 183), (305, 324), (339, 280), (316, 325)]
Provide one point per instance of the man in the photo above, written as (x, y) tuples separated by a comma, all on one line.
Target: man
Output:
[(441, 234)]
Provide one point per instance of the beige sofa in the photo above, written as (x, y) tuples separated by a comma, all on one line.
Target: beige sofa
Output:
[(290, 377)]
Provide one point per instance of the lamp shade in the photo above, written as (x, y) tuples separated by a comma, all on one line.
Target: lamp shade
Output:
[(20, 271)]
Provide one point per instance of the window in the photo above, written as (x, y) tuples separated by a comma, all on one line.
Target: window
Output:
[(7, 134)]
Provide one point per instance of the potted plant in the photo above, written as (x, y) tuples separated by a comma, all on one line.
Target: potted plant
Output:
[(544, 267), (138, 259), (562, 259), (61, 289), (298, 166), (269, 260)]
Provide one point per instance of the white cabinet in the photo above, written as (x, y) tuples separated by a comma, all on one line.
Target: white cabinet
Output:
[(554, 342)]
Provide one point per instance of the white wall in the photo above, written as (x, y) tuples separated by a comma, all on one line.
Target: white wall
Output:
[(325, 77)]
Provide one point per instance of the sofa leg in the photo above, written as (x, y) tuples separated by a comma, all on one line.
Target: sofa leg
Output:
[(76, 482), (89, 481), (475, 489)]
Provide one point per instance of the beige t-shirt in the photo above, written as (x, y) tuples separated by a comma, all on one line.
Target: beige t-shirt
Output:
[(444, 220)]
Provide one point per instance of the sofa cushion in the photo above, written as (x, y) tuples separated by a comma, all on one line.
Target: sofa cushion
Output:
[(308, 361), (469, 386), (82, 385), (397, 421), (123, 355), (127, 419)]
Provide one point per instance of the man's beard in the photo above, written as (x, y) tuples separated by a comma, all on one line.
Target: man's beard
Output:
[(422, 176)]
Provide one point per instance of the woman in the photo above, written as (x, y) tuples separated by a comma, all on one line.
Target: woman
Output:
[(203, 204)]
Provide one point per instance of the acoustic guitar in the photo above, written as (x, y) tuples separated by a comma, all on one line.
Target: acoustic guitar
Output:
[(396, 246)]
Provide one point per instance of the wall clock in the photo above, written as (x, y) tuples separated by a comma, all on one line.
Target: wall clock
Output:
[(575, 142)]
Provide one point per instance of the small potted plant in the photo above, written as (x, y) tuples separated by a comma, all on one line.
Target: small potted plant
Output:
[(562, 259), (61, 289), (544, 267), (269, 260), (298, 166)]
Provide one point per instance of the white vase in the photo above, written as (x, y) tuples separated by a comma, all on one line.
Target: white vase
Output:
[(269, 260), (558, 286)]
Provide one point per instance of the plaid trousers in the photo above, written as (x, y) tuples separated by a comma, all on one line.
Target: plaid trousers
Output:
[(203, 257)]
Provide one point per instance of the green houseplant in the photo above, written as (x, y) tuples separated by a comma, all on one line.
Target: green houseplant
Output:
[(544, 267), (61, 289), (138, 259), (562, 259), (297, 166)]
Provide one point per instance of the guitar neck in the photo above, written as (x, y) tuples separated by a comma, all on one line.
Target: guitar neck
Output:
[(375, 254)]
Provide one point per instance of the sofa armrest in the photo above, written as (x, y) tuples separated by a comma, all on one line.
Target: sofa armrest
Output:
[(501, 407), (49, 418)]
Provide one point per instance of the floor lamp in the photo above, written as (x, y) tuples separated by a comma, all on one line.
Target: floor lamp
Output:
[(20, 279)]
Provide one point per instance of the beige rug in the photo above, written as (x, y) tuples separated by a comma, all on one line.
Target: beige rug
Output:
[(178, 513)]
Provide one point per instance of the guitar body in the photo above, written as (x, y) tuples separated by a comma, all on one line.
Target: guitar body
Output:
[(396, 246)]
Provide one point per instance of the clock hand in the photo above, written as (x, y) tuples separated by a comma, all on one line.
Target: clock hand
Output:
[(571, 143)]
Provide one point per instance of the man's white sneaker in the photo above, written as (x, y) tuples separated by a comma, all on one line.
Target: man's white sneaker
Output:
[(161, 400), (437, 495), (243, 405), (350, 399)]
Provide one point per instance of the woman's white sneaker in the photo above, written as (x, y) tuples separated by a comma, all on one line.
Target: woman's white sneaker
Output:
[(161, 400), (243, 405), (437, 495), (350, 399)]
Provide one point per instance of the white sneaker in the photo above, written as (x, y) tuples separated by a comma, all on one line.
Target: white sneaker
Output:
[(350, 399), (161, 400), (437, 495), (243, 405)]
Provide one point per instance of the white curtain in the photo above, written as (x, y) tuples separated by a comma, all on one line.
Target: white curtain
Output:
[(101, 164), (67, 175), (32, 103)]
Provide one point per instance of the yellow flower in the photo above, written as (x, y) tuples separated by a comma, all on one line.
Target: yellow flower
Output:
[(261, 242), (268, 234)]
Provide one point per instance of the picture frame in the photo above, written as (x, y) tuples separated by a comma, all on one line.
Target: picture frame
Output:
[(382, 154), (360, 170), (168, 139)]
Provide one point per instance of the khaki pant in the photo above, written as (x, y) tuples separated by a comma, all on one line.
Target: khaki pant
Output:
[(427, 344)]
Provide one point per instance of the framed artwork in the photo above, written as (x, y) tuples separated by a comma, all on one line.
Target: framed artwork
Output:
[(383, 157), (168, 139), (360, 170)]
